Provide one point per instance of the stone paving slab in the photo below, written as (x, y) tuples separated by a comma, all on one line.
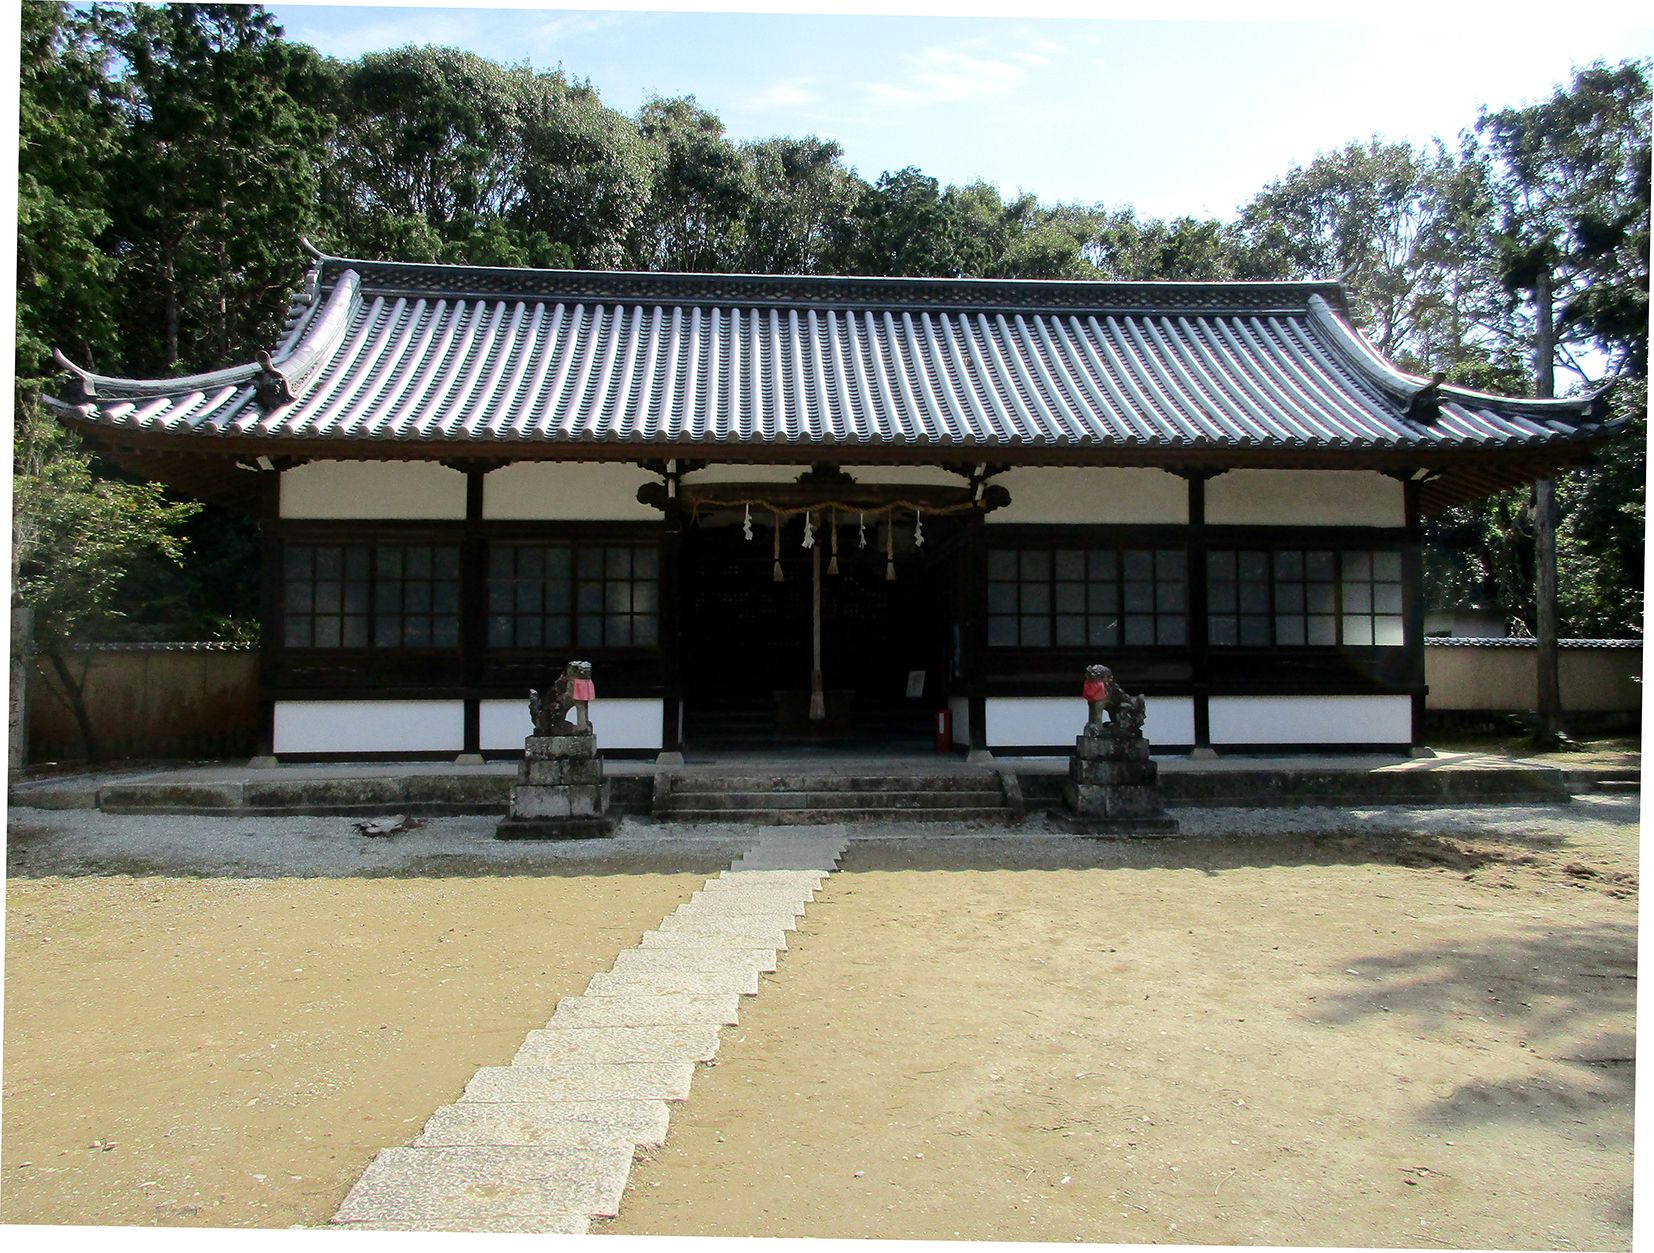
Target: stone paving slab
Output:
[(646, 1009), (546, 1122), (735, 905), (756, 886), (717, 957), (488, 1183), (706, 919), (717, 936), (655, 983), (558, 1045), (627, 1081), (540, 1225)]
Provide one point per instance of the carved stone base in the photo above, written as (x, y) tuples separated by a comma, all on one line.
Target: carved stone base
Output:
[(596, 828), (1113, 787)]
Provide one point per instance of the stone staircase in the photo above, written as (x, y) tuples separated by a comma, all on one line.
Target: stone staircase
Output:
[(804, 798)]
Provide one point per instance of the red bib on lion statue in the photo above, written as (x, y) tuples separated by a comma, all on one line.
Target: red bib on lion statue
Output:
[(583, 689), (1095, 689)]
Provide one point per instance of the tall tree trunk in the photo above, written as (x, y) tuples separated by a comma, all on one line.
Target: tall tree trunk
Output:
[(170, 312), (22, 662), (75, 692), (1544, 524)]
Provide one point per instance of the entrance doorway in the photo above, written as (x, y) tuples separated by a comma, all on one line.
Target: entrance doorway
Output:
[(747, 640)]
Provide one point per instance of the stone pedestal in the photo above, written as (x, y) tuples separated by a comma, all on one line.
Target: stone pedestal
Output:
[(560, 793), (1113, 788)]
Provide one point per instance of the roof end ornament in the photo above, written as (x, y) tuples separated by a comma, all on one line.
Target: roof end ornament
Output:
[(1425, 405), (270, 386), (85, 388)]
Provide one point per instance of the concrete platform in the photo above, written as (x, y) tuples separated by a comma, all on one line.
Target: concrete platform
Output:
[(424, 788)]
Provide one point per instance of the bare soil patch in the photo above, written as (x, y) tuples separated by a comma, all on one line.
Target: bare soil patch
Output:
[(232, 1052), (1397, 1040)]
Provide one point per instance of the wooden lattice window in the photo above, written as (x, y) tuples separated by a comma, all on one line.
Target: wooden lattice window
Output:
[(568, 595), (381, 594), (1078, 598), (1304, 597)]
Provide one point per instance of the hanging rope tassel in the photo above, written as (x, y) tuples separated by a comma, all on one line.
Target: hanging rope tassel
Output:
[(918, 530), (809, 532), (861, 531), (778, 576), (832, 563), (890, 549), (746, 524)]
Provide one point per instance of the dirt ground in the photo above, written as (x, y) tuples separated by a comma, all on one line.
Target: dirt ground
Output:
[(1325, 1030), (1300, 1042), (233, 1052)]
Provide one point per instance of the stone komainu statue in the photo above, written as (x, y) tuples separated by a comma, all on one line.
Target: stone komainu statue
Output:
[(1105, 695), (550, 711)]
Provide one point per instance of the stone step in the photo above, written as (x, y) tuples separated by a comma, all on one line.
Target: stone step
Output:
[(615, 1081), (478, 1184), (564, 1045), (804, 817), (658, 982), (660, 960), (974, 782), (647, 1009), (716, 935), (572, 1123), (958, 798)]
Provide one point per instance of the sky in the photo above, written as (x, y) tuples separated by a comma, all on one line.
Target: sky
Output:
[(1176, 117)]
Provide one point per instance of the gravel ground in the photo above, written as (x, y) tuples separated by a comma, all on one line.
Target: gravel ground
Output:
[(82, 841)]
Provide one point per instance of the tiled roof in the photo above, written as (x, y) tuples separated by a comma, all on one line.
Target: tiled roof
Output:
[(501, 360), (1521, 641)]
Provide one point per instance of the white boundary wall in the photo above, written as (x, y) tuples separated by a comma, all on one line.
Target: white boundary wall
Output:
[(542, 491), (1092, 494), (1311, 719), (1305, 498), (369, 726), (620, 723), (373, 489), (1017, 721)]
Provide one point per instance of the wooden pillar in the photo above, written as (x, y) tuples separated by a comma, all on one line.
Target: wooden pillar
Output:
[(272, 640), (1412, 606), (1197, 644), (1545, 609), (973, 662), (671, 618), (473, 601)]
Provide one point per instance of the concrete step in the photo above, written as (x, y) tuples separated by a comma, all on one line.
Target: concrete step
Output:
[(769, 783), (834, 800)]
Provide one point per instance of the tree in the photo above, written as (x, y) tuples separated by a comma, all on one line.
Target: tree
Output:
[(799, 208), (74, 536), (905, 226), (702, 192), (215, 180)]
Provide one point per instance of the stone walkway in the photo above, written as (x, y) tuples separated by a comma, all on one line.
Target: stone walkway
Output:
[(546, 1143)]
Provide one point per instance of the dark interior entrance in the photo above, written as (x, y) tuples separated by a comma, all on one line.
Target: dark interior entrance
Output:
[(746, 639)]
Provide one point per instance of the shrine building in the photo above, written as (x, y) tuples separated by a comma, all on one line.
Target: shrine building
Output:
[(913, 495)]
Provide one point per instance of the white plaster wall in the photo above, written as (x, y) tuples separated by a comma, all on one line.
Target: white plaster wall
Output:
[(369, 726), (372, 489), (1311, 719), (620, 723), (565, 490), (1056, 720), (1092, 494), (1305, 498), (960, 708)]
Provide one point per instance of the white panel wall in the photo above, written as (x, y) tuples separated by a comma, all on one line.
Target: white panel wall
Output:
[(1311, 719), (369, 726), (1305, 498), (372, 489), (1100, 494), (504, 724), (562, 490), (1056, 720), (960, 708)]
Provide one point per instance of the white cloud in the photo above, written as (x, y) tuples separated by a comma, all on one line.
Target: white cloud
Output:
[(784, 94), (948, 75)]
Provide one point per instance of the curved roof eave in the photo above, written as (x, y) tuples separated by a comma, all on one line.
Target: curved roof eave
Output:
[(295, 366)]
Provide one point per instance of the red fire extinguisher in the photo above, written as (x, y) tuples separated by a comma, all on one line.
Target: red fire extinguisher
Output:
[(944, 730)]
